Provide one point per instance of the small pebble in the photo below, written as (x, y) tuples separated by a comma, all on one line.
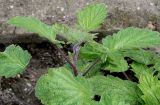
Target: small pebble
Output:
[(138, 8), (11, 6), (62, 9), (10, 89), (32, 14), (152, 4), (18, 75), (64, 17), (28, 84), (25, 89)]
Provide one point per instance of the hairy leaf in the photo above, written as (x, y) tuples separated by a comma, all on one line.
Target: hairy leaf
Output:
[(34, 25), (113, 87), (157, 63), (130, 38), (150, 86), (140, 69), (141, 56), (60, 87), (91, 16), (60, 28), (112, 99), (92, 51), (73, 35), (116, 62), (78, 36), (157, 66), (13, 61), (83, 66)]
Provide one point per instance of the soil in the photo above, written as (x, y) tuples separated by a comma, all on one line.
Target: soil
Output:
[(20, 90)]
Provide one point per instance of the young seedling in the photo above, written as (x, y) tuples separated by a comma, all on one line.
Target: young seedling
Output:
[(81, 79)]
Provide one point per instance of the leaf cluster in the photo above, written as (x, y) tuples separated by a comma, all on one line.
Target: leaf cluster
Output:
[(61, 87)]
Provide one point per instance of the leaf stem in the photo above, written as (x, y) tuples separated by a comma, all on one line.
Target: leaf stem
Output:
[(126, 76), (75, 70), (92, 65), (30, 70), (76, 49)]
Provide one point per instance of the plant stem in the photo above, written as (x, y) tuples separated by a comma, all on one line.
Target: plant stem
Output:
[(30, 70), (92, 65), (75, 71), (126, 76), (76, 49)]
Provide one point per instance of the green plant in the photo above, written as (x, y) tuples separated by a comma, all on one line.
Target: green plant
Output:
[(80, 80)]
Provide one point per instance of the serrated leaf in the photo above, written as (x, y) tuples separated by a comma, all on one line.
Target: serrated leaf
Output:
[(60, 87), (60, 28), (92, 51), (150, 86), (78, 36), (157, 63), (94, 67), (73, 35), (91, 16), (141, 56), (13, 61), (130, 38), (81, 65), (140, 69), (116, 88), (112, 99), (34, 25), (116, 62)]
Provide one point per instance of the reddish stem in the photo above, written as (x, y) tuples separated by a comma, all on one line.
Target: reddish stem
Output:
[(30, 70), (75, 71), (126, 75), (76, 49)]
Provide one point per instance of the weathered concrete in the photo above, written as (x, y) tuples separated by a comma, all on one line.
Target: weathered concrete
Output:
[(122, 13)]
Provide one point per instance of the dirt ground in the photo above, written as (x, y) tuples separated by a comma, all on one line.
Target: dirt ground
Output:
[(20, 90)]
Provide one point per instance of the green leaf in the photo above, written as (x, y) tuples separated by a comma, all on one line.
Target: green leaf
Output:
[(150, 86), (157, 63), (81, 65), (112, 99), (60, 87), (73, 35), (94, 67), (34, 25), (78, 36), (141, 56), (140, 69), (115, 88), (13, 61), (116, 62), (92, 51), (60, 28), (91, 16), (130, 38)]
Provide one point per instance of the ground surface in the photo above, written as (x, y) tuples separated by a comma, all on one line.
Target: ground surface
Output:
[(20, 90), (121, 13)]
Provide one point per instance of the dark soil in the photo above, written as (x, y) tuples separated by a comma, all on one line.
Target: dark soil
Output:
[(20, 90)]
